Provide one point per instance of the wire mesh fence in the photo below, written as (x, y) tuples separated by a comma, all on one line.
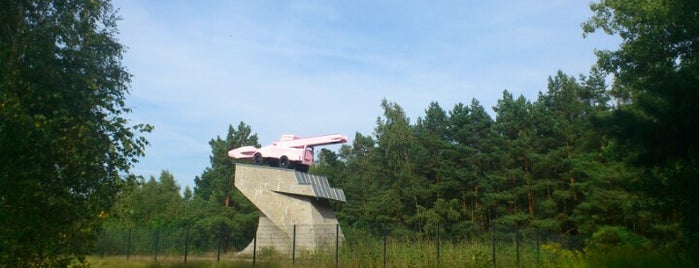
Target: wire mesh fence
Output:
[(327, 246)]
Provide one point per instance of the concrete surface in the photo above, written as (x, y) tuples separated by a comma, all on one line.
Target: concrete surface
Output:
[(292, 205)]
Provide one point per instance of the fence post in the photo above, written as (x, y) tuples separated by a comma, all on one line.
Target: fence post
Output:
[(186, 244), (438, 245), (517, 244), (293, 246), (218, 242), (254, 248), (538, 254), (337, 245), (384, 245), (104, 241), (492, 234), (155, 245), (128, 245)]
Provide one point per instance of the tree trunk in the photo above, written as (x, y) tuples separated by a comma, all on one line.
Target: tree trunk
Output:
[(530, 196)]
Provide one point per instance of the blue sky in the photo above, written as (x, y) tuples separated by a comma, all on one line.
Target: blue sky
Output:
[(322, 67)]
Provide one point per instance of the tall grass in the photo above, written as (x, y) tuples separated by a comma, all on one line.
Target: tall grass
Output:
[(421, 253)]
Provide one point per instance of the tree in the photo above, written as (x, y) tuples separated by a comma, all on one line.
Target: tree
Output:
[(515, 135), (431, 133), (217, 206), (359, 182), (467, 159), (328, 164), (217, 180), (152, 203), (656, 71), (64, 139), (396, 157)]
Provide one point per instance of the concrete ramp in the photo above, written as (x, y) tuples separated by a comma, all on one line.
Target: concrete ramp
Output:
[(290, 202)]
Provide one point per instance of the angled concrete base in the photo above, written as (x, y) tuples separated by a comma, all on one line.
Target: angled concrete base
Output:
[(293, 206)]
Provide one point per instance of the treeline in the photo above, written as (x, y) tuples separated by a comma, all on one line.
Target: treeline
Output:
[(540, 164), (537, 164), (615, 164), (214, 208)]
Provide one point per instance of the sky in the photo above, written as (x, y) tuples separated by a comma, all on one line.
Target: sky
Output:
[(322, 67)]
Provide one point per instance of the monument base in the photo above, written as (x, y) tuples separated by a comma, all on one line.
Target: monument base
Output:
[(295, 214)]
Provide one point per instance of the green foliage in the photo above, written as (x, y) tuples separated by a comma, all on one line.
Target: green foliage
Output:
[(108, 262), (215, 209), (615, 236), (461, 169), (656, 72), (540, 164), (616, 256), (216, 183), (64, 139), (217, 206), (362, 250), (207, 219), (153, 203), (615, 165), (631, 256)]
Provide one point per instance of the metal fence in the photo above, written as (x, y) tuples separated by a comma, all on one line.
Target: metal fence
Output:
[(326, 245)]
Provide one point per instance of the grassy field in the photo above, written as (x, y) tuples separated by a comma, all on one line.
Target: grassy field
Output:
[(364, 254), (417, 254), (148, 262)]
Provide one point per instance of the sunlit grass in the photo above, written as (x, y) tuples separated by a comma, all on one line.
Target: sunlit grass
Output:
[(370, 253), (150, 262)]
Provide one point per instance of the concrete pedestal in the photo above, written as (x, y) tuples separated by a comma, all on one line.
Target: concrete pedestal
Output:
[(293, 206)]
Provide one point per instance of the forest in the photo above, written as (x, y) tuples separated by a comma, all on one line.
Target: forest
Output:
[(610, 156), (548, 164)]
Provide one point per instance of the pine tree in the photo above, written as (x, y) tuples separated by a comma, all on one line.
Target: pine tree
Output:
[(217, 206), (515, 136), (395, 154), (364, 205), (216, 183)]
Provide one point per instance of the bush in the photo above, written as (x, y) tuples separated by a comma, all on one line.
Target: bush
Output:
[(616, 236)]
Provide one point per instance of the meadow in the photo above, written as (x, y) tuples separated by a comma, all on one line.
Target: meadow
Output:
[(370, 253)]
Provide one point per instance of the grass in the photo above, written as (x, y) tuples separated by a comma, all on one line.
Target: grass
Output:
[(369, 253), (149, 262)]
